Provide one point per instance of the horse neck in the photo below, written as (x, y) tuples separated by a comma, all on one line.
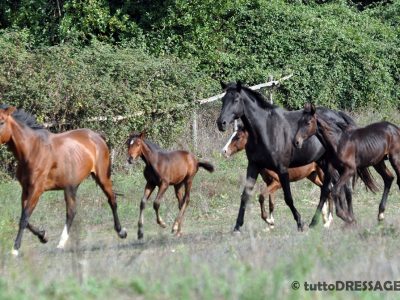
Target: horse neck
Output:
[(18, 143), (149, 156), (250, 119), (327, 136)]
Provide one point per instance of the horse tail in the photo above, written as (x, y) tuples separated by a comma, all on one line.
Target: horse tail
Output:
[(367, 178), (206, 165)]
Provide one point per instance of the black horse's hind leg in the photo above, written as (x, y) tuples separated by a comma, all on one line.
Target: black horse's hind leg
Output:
[(388, 178), (251, 178), (284, 178)]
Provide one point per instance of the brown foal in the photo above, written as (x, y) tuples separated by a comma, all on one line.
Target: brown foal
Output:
[(164, 168)]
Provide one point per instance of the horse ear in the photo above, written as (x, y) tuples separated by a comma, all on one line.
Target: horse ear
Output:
[(142, 135), (223, 85), (9, 110), (310, 108), (238, 85), (313, 110)]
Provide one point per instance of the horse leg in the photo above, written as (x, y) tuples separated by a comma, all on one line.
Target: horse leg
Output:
[(337, 192), (388, 178), (70, 202), (180, 196), (271, 203), (251, 178), (149, 188), (29, 201), (179, 220), (156, 205), (284, 179), (105, 184), (325, 193)]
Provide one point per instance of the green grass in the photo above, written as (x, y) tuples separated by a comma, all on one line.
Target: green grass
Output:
[(208, 262)]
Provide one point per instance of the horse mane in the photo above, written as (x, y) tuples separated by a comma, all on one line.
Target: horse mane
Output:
[(24, 118), (259, 98), (153, 146)]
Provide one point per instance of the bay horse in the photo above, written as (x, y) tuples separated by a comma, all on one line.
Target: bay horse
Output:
[(355, 148), (270, 145), (162, 169), (312, 171), (48, 161)]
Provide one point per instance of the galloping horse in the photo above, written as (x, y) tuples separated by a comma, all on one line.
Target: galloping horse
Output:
[(164, 168), (48, 161), (270, 145), (312, 171), (355, 148)]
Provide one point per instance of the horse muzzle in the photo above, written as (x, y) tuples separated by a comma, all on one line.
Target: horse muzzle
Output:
[(298, 143), (222, 125), (130, 159)]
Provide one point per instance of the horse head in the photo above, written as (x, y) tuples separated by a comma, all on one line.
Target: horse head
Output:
[(232, 105), (307, 125)]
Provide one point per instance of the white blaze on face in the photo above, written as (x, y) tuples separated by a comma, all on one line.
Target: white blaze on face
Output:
[(225, 149), (64, 238)]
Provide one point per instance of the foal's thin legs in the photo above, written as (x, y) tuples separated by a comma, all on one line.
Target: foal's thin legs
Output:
[(270, 191), (156, 205), (70, 202), (149, 188), (387, 177), (179, 220)]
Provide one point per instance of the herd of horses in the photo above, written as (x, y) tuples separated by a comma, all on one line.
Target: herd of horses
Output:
[(323, 145)]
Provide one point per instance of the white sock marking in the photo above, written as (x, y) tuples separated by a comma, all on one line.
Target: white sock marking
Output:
[(64, 238)]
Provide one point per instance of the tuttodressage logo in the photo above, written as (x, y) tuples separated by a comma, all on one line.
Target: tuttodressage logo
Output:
[(349, 285)]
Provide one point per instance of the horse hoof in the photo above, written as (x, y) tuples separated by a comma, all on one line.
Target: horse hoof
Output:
[(140, 235), (14, 252), (178, 234), (44, 238), (123, 234), (162, 224), (236, 231), (381, 216), (300, 227)]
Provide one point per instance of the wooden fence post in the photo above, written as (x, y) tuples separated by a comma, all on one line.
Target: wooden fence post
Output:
[(194, 130)]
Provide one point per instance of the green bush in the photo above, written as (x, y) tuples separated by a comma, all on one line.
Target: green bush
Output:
[(71, 87)]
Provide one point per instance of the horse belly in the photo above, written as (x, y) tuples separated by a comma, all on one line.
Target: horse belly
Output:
[(370, 158)]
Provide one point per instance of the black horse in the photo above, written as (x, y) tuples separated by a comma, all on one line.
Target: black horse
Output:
[(270, 145)]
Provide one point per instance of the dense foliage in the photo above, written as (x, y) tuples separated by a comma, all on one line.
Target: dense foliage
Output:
[(68, 61)]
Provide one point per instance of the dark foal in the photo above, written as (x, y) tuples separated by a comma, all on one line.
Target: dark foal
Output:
[(312, 171), (48, 161), (356, 148), (164, 168)]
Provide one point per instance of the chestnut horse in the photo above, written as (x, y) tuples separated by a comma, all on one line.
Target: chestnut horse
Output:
[(355, 148), (164, 168), (312, 171), (48, 161)]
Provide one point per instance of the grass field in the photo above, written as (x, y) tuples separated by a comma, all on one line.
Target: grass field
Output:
[(208, 262)]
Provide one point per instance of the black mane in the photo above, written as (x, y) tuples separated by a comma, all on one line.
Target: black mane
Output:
[(24, 118), (260, 99)]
